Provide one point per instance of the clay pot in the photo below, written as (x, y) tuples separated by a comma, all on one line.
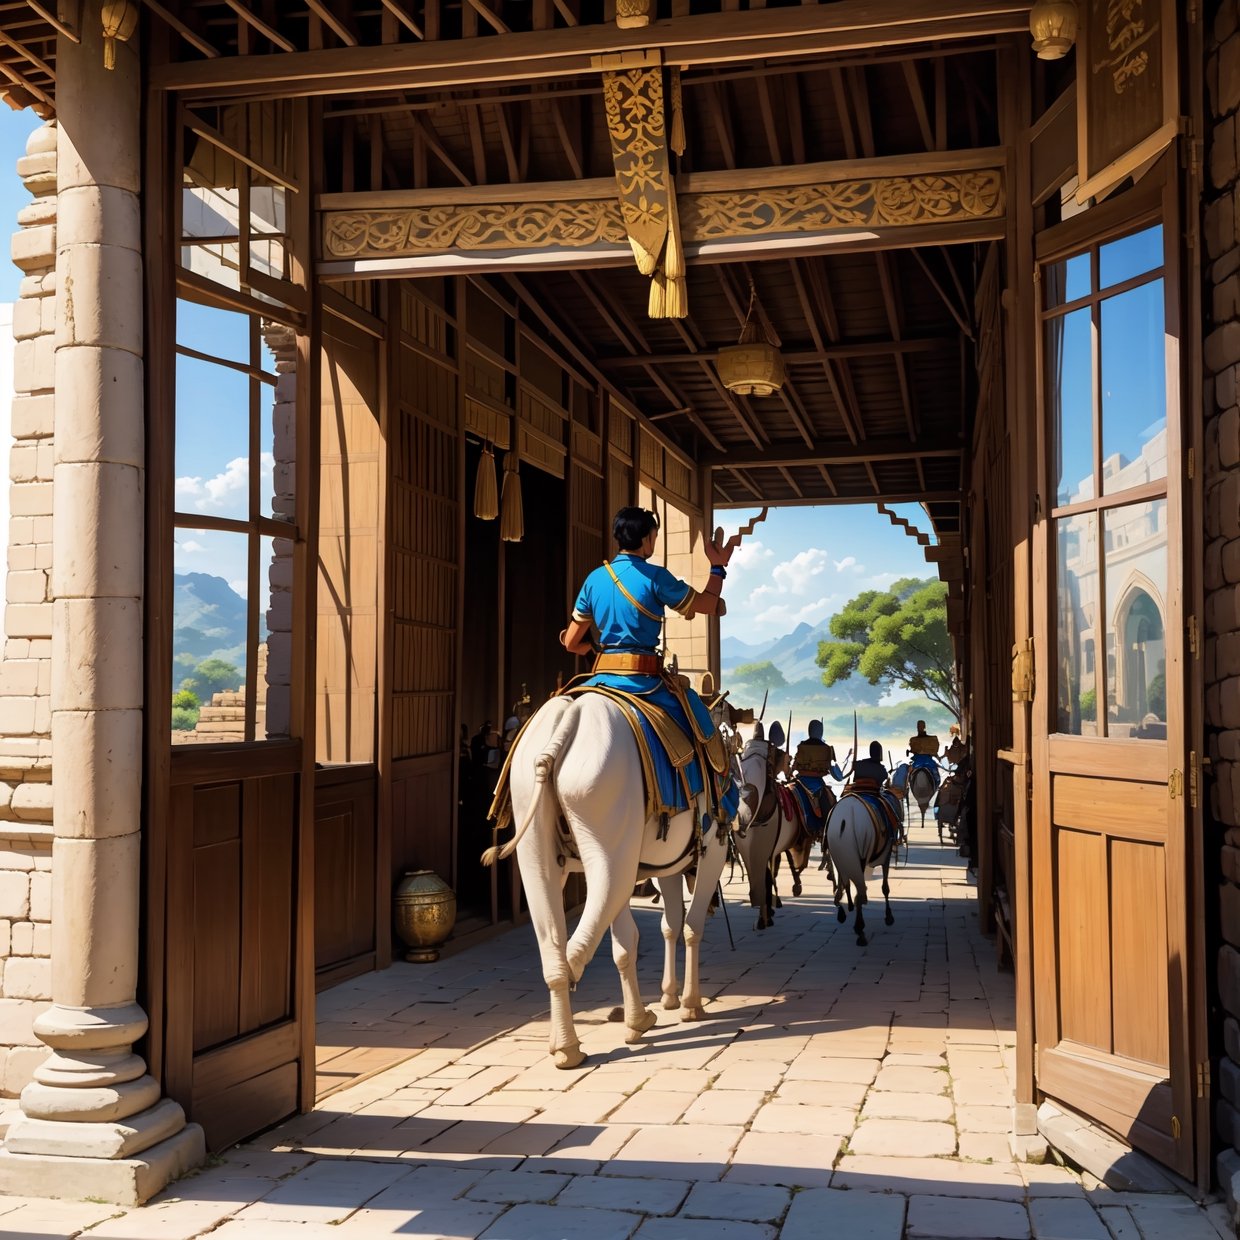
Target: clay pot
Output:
[(425, 909)]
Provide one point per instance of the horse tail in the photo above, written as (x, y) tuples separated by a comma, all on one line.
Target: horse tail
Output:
[(544, 767)]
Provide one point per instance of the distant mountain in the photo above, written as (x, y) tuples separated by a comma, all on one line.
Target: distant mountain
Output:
[(733, 651), (795, 654), (208, 620)]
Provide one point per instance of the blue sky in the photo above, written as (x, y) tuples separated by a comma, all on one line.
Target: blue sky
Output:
[(15, 128), (804, 564)]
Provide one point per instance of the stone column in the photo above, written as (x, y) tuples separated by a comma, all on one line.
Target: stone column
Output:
[(93, 1123)]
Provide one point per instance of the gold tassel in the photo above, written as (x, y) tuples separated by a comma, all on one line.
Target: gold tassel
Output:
[(512, 515), (486, 493), (669, 290), (678, 113)]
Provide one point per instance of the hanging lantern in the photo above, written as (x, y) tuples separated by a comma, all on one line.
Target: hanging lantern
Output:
[(120, 20), (1053, 26), (752, 367)]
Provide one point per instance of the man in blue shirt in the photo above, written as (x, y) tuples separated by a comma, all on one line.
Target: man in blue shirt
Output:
[(625, 601)]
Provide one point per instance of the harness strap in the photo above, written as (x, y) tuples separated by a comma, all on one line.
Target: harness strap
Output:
[(611, 572)]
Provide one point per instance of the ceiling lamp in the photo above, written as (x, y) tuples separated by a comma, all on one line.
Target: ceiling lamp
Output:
[(753, 367), (1053, 26)]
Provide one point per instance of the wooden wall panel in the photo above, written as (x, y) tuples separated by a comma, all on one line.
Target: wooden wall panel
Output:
[(421, 805), (344, 874)]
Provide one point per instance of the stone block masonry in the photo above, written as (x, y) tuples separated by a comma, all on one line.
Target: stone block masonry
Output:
[(25, 661)]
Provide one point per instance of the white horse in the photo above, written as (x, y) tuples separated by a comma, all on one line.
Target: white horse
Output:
[(764, 831), (922, 788), (856, 848), (577, 797)]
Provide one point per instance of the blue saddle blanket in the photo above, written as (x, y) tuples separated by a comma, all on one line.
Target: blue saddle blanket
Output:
[(885, 812), (809, 792), (926, 762), (677, 785)]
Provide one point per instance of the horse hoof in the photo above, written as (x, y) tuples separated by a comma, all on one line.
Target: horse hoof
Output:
[(840, 915), (891, 921), (616, 1014), (862, 941), (778, 902), (693, 1013), (569, 1057), (671, 1002), (796, 889), (647, 1021)]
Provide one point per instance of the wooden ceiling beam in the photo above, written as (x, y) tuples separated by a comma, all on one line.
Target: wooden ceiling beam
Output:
[(704, 39), (961, 317), (335, 24), (398, 11), (850, 497), (270, 33), (798, 356), (489, 16), (187, 32), (831, 453)]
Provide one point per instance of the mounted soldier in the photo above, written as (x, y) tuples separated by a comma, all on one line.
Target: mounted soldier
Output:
[(924, 777), (621, 776)]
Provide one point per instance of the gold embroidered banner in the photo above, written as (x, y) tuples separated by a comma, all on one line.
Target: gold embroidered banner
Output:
[(637, 125)]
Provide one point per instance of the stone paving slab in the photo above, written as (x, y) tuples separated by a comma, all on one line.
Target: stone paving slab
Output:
[(832, 1091)]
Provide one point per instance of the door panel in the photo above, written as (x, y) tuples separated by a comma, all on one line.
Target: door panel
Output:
[(1109, 877), (233, 1036)]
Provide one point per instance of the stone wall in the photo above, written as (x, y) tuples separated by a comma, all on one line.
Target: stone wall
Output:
[(1221, 282), (25, 669)]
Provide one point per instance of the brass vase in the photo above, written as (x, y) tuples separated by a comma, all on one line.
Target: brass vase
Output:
[(425, 914)]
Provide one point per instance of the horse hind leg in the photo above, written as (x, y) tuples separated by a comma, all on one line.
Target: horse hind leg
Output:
[(546, 905), (859, 920), (796, 874), (887, 890), (638, 1018), (673, 924)]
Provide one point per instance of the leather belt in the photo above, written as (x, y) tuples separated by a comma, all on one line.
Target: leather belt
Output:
[(628, 661)]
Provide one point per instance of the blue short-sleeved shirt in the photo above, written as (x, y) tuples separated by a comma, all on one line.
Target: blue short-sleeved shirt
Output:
[(621, 624)]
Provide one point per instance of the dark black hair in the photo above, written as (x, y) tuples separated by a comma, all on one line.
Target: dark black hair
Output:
[(632, 526), (876, 751)]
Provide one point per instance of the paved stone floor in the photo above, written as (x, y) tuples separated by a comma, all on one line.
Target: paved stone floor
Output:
[(834, 1091)]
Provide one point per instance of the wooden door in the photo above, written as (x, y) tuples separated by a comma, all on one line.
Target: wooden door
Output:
[(1110, 882), (233, 1034)]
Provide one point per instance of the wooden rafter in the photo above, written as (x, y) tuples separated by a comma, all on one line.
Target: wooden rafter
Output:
[(187, 32), (256, 23), (834, 453), (398, 11), (705, 39), (335, 24), (799, 355)]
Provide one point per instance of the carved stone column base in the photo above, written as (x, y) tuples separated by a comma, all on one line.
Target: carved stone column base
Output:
[(120, 1181)]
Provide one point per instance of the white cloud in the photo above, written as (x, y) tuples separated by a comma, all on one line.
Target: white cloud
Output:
[(190, 546), (788, 615), (795, 576), (240, 586), (849, 565), (226, 489)]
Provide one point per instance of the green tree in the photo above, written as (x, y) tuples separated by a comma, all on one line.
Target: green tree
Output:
[(765, 676), (897, 638), (210, 677), (185, 708)]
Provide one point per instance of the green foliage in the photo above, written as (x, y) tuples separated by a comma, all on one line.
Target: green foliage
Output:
[(1089, 705), (210, 677), (186, 699), (762, 676), (184, 719), (897, 638)]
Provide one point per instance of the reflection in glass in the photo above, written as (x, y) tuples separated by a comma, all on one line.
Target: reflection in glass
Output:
[(1076, 602), (1134, 388), (1130, 256), (1067, 281), (275, 637), (212, 439), (1135, 556), (209, 618), (278, 422), (1069, 387)]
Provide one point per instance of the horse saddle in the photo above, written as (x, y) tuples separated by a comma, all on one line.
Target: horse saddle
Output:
[(883, 813), (809, 805)]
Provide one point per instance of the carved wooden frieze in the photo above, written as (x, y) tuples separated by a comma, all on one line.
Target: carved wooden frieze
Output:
[(710, 215), (879, 202), (383, 232)]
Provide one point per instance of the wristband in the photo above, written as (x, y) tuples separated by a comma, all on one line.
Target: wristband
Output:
[(718, 570)]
